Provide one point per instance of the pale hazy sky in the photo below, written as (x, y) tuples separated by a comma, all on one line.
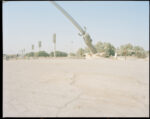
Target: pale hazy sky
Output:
[(26, 23)]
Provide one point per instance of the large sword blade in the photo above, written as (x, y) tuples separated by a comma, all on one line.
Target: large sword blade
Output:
[(69, 17)]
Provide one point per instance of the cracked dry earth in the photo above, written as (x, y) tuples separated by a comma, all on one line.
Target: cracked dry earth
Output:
[(75, 88)]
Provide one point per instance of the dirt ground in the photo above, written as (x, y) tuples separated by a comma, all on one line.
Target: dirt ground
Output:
[(76, 88)]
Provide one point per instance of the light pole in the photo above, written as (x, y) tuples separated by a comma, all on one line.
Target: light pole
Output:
[(54, 41)]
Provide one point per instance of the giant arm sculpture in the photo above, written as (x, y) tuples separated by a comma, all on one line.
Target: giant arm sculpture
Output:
[(86, 36)]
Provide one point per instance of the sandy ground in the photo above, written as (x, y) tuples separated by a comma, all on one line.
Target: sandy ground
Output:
[(76, 88)]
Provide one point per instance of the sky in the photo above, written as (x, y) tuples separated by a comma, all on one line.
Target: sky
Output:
[(118, 22)]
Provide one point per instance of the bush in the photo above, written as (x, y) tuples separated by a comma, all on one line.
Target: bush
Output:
[(147, 53), (41, 54), (106, 48), (109, 50), (12, 56), (59, 54), (139, 52), (129, 50), (80, 52), (72, 54), (86, 50), (31, 54), (99, 47), (126, 50)]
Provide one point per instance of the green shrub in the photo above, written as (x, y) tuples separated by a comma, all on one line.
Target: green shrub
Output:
[(139, 52), (72, 54), (80, 52), (99, 47), (126, 50), (86, 50), (129, 50), (31, 54), (59, 54), (41, 54), (107, 48)]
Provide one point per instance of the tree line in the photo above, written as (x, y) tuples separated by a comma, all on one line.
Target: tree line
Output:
[(107, 49)]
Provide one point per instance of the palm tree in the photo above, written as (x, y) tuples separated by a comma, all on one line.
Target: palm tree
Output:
[(40, 45)]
